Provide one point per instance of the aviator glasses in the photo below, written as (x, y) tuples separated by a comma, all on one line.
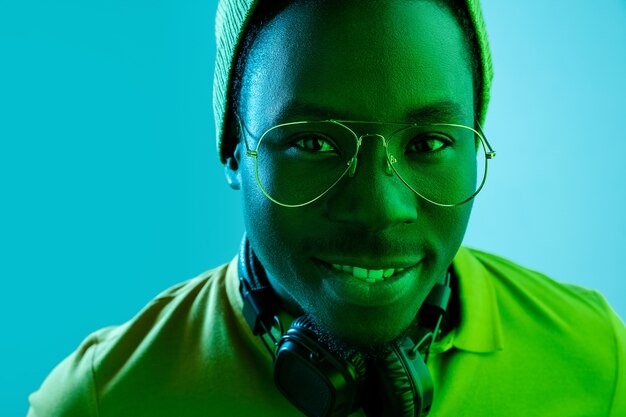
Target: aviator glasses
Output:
[(296, 163)]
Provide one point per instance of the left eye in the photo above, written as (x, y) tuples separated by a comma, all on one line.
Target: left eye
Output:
[(315, 144), (428, 144)]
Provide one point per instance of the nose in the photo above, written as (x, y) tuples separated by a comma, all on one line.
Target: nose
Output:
[(372, 197)]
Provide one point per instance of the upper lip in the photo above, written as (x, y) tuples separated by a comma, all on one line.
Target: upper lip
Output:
[(370, 263)]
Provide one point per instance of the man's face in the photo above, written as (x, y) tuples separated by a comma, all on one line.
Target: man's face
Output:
[(366, 61)]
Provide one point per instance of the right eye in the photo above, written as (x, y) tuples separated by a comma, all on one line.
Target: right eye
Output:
[(315, 143)]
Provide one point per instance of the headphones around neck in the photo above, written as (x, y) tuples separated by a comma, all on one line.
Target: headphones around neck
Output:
[(318, 381)]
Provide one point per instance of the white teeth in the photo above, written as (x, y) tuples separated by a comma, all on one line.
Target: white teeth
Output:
[(367, 275), (375, 273), (360, 272)]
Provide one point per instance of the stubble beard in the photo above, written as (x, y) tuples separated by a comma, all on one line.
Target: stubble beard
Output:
[(345, 350)]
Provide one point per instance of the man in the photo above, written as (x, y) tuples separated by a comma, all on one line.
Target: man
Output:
[(352, 128)]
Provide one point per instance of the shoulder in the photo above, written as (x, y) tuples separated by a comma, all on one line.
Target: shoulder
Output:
[(561, 332), (175, 308), (73, 387), (519, 286), (69, 389), (525, 304)]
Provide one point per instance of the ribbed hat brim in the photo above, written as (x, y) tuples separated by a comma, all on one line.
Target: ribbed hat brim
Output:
[(231, 22)]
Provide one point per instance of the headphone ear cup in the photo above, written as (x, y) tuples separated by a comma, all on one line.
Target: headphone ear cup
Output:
[(312, 378), (400, 385), (390, 388)]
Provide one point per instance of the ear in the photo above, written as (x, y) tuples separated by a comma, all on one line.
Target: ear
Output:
[(231, 168)]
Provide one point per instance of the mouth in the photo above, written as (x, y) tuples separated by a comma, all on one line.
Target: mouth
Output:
[(369, 276), (378, 285)]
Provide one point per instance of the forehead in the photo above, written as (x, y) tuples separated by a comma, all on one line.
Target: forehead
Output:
[(356, 60)]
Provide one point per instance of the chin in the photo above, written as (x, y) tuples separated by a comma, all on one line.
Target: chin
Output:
[(369, 337)]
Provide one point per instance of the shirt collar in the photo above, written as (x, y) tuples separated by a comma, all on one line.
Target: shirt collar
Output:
[(479, 329)]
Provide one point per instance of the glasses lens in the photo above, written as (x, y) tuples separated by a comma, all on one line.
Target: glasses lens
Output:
[(445, 164), (298, 162)]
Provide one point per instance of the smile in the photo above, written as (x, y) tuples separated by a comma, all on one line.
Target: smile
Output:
[(367, 275), (382, 284)]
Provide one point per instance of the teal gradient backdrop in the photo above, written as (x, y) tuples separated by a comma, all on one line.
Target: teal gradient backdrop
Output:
[(111, 189)]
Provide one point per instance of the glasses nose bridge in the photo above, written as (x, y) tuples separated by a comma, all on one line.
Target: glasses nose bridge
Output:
[(354, 160), (371, 135)]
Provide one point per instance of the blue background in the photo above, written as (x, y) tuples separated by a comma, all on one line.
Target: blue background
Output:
[(111, 188)]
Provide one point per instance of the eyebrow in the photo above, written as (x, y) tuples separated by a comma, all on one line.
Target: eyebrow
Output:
[(439, 111)]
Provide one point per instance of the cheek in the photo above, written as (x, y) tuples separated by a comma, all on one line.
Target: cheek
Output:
[(447, 228), (273, 231), (258, 211)]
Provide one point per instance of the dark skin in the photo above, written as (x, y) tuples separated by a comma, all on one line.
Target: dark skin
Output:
[(367, 61)]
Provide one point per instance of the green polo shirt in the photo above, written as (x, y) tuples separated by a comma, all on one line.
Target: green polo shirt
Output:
[(525, 346)]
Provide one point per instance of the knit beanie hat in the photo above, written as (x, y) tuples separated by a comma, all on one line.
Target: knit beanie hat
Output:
[(232, 20)]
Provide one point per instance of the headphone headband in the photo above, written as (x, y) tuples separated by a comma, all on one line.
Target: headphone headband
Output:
[(259, 299)]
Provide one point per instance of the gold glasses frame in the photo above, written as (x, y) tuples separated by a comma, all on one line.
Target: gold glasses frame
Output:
[(490, 153)]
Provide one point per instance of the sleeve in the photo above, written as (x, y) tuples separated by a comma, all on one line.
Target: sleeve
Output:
[(69, 390), (618, 407)]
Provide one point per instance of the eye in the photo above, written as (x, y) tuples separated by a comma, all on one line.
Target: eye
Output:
[(428, 143), (314, 143)]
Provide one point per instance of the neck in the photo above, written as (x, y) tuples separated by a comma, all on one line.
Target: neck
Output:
[(286, 302)]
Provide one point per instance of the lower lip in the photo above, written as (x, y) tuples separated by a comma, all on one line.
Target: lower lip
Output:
[(347, 289)]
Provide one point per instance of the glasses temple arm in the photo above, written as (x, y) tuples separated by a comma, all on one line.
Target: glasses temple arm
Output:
[(491, 153), (244, 132)]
